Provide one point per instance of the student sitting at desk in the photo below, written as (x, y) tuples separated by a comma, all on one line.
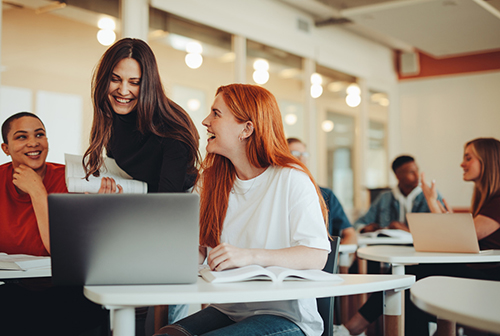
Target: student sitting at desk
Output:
[(481, 166), (33, 306), (338, 224), (259, 205), (389, 209)]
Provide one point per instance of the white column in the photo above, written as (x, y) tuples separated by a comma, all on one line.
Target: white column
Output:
[(360, 194), (309, 66), (239, 46), (135, 18)]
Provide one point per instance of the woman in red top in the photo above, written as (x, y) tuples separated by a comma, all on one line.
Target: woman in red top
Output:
[(26, 181), (34, 306)]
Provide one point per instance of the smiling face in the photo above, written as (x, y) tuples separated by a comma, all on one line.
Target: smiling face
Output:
[(124, 86), (224, 131), (408, 177), (471, 165), (27, 143)]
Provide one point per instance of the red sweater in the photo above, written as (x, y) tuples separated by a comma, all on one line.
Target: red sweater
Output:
[(18, 226)]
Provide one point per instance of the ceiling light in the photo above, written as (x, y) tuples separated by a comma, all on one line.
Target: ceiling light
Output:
[(193, 104), (327, 125), (193, 61), (106, 23), (194, 47), (316, 90), (316, 79), (261, 64), (106, 37), (290, 119), (353, 89), (353, 100), (260, 76)]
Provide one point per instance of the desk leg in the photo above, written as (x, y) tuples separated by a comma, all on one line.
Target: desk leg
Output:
[(445, 328), (393, 321), (123, 321), (394, 318)]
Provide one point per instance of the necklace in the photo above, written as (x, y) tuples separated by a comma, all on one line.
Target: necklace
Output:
[(246, 191)]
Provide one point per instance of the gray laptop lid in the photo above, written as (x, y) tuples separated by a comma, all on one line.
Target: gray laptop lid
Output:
[(450, 232), (124, 239)]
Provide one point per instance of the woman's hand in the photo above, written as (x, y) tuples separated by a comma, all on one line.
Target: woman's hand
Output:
[(28, 181), (431, 197), (225, 256), (109, 186)]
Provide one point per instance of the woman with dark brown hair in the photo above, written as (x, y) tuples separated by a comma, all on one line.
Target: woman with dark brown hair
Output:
[(259, 205), (151, 138)]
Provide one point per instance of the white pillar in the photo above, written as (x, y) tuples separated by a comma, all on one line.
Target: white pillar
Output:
[(311, 119), (135, 19), (239, 46), (360, 194)]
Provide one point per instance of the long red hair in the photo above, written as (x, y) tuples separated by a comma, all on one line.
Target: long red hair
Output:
[(265, 147)]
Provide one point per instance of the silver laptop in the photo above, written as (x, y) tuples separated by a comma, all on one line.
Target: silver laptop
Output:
[(124, 239), (452, 232)]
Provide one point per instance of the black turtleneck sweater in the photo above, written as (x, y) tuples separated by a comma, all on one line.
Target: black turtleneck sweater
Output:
[(160, 162)]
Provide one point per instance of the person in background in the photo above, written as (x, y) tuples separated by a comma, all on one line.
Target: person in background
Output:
[(338, 224), (480, 165), (34, 306), (389, 209), (259, 205), (150, 137)]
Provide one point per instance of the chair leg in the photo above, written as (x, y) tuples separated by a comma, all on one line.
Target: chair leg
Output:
[(161, 316)]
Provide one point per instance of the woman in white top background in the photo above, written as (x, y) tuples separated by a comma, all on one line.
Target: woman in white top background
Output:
[(259, 205)]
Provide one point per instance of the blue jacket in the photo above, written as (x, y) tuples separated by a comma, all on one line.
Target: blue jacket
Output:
[(337, 219), (385, 209)]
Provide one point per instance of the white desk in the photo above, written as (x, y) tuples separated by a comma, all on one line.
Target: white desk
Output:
[(364, 241), (475, 303), (32, 273), (122, 300), (399, 256)]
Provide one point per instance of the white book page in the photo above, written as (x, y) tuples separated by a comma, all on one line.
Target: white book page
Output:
[(75, 177)]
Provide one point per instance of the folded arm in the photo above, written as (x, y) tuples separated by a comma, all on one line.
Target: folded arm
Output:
[(226, 256)]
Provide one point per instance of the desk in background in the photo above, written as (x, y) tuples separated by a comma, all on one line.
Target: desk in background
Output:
[(399, 256), (475, 303), (122, 300)]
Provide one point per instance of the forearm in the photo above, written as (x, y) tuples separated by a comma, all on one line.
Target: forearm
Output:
[(349, 236), (41, 209), (297, 257)]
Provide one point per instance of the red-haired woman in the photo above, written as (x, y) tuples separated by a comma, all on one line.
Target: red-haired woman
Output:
[(259, 205)]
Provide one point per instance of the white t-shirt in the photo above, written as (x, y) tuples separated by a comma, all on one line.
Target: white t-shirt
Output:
[(277, 209)]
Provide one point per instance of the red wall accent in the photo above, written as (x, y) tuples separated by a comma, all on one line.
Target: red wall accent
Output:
[(430, 66)]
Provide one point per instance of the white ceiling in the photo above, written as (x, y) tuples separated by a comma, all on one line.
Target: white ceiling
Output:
[(441, 28)]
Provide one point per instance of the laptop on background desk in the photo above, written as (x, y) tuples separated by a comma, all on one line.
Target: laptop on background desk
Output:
[(451, 232), (125, 239)]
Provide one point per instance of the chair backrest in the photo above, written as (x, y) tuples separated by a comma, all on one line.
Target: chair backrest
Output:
[(326, 305)]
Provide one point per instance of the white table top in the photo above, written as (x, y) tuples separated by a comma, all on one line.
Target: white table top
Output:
[(406, 255), (475, 303), (363, 241), (32, 273), (347, 248), (249, 291)]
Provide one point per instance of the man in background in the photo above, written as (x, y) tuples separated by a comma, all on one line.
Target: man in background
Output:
[(389, 209)]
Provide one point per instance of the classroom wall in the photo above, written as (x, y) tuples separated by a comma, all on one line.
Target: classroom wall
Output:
[(438, 116)]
